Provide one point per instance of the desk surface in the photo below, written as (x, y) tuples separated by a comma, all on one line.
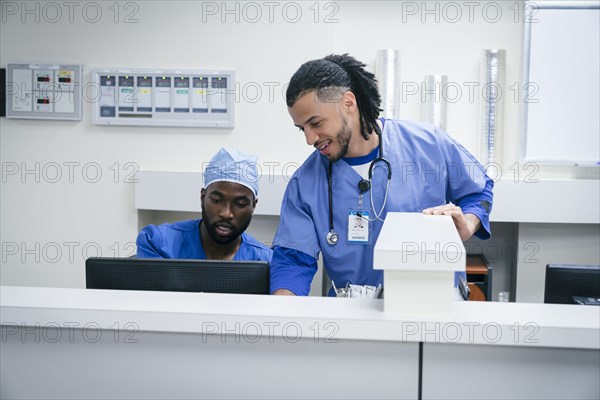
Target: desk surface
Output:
[(514, 324)]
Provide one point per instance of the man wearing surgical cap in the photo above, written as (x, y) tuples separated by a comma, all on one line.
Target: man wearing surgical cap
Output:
[(228, 200)]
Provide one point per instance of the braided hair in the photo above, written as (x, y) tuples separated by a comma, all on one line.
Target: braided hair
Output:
[(336, 74)]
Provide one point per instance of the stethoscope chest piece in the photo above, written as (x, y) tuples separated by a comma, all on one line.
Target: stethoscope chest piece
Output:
[(332, 238)]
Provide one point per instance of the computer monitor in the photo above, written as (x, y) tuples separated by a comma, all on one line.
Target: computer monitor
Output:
[(566, 281), (242, 277)]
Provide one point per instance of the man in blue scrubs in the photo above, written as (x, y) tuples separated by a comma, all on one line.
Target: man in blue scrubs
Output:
[(335, 102), (228, 201)]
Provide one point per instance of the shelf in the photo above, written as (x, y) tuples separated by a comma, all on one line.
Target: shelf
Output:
[(544, 201)]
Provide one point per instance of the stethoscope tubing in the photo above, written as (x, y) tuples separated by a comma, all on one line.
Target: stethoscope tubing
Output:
[(332, 237)]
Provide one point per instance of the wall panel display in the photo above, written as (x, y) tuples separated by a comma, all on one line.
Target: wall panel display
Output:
[(43, 91), (199, 98)]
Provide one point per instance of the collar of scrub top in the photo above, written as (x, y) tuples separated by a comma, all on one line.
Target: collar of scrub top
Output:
[(363, 185)]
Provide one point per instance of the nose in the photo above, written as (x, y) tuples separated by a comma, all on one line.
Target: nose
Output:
[(311, 137), (226, 212)]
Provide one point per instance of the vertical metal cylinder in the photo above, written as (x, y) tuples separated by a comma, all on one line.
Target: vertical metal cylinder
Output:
[(387, 72), (434, 101), (492, 90)]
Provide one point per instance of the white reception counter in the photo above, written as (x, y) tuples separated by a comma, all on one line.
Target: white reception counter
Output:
[(78, 343)]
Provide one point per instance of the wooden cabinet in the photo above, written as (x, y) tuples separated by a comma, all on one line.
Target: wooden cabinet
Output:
[(479, 278)]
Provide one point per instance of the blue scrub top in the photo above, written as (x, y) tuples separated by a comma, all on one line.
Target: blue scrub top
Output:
[(182, 240), (429, 169)]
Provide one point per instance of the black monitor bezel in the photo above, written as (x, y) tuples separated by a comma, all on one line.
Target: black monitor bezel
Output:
[(561, 291), (177, 275)]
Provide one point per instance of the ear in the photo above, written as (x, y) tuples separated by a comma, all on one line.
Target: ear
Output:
[(254, 204), (202, 195), (348, 102)]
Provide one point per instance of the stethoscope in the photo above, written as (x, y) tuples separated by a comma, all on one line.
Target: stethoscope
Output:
[(363, 185)]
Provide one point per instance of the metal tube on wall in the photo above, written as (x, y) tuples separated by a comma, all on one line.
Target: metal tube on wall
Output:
[(492, 89), (434, 102), (387, 72)]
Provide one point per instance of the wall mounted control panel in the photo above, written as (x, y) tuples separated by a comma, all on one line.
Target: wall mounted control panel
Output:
[(43, 91), (144, 97)]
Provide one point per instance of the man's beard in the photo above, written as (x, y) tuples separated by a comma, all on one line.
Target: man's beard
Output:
[(343, 138), (235, 231)]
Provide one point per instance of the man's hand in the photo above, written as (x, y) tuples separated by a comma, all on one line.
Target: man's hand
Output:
[(466, 224), (283, 292)]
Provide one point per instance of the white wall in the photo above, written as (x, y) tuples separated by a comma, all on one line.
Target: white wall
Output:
[(58, 220), (45, 226), (431, 43), (542, 244)]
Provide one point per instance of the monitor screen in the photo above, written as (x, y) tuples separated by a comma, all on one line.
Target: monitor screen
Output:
[(566, 283), (214, 276)]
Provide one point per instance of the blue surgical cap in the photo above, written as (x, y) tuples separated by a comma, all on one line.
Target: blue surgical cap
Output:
[(229, 165)]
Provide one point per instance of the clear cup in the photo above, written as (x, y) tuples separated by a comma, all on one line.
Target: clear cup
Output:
[(503, 297)]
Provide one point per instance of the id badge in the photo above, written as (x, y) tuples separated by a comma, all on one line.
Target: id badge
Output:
[(358, 226)]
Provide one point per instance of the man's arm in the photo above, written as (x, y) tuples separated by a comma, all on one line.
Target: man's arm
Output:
[(476, 208), (292, 272), (468, 191), (148, 242)]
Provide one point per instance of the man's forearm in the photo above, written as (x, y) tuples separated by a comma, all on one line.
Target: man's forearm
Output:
[(473, 223), (283, 292)]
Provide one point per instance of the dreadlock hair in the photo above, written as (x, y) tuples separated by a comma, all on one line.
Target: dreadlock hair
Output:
[(336, 74)]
